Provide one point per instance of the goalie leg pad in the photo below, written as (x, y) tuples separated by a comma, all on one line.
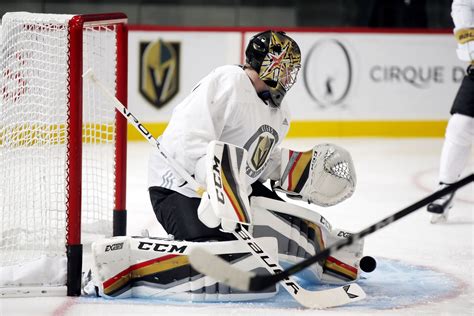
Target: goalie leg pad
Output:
[(343, 265), (155, 267), (302, 233)]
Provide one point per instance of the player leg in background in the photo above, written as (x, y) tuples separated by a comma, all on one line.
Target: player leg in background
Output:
[(457, 145)]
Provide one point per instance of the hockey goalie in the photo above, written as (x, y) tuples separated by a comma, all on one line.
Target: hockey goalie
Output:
[(226, 136), (159, 267)]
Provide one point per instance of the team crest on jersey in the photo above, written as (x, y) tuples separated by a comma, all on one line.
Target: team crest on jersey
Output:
[(262, 150), (159, 71), (259, 147)]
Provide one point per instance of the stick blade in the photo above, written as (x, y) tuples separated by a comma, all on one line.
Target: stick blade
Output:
[(207, 263), (317, 299), (219, 269), (338, 296)]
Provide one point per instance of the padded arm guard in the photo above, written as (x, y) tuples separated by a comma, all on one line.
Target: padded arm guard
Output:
[(324, 175)]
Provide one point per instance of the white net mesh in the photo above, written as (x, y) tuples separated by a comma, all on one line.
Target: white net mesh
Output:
[(98, 130), (34, 115)]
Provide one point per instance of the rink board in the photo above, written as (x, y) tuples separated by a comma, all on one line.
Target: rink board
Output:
[(353, 82)]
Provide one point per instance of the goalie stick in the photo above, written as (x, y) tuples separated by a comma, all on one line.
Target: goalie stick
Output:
[(248, 281), (89, 74), (198, 257)]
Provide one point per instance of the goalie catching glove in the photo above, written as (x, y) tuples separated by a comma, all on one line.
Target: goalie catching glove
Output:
[(226, 201), (324, 175)]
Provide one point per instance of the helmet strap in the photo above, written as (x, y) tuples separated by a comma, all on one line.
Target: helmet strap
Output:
[(265, 95)]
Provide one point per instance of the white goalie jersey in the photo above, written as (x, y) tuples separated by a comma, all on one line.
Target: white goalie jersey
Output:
[(223, 106)]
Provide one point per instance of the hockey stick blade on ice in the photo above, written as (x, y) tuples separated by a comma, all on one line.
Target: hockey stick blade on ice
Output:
[(247, 281), (219, 269), (312, 299)]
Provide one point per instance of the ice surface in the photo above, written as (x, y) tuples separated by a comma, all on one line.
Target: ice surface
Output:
[(422, 268)]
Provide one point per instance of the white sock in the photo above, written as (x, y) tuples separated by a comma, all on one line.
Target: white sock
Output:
[(456, 148)]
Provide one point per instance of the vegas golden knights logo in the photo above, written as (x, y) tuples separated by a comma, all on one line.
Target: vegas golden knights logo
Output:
[(159, 71), (262, 150)]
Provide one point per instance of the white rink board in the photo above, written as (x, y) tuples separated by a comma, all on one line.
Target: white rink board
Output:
[(200, 52), (393, 76), (345, 76)]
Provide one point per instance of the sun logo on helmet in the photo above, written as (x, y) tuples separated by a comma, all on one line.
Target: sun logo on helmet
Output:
[(274, 63), (280, 66)]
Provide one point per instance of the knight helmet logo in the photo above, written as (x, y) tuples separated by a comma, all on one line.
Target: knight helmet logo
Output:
[(159, 71)]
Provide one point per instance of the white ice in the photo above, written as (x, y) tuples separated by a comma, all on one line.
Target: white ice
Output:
[(392, 174)]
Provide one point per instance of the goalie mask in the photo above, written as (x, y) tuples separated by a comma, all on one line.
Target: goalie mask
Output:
[(277, 60)]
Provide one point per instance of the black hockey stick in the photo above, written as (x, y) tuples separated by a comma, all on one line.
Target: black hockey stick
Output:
[(260, 282)]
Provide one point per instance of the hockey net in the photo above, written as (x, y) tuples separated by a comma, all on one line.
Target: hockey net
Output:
[(62, 146)]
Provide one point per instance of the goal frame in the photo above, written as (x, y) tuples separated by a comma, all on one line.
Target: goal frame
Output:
[(74, 251)]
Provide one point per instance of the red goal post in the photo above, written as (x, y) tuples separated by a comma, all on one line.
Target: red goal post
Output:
[(62, 145)]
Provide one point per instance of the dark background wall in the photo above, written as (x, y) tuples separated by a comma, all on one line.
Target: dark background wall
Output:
[(289, 13)]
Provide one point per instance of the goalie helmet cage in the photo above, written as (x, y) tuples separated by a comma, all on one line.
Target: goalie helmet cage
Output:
[(62, 146)]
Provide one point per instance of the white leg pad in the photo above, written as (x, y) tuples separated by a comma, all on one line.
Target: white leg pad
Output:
[(302, 233), (155, 267)]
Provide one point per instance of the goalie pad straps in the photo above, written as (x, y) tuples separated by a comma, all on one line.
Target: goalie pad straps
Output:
[(141, 267), (324, 175)]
